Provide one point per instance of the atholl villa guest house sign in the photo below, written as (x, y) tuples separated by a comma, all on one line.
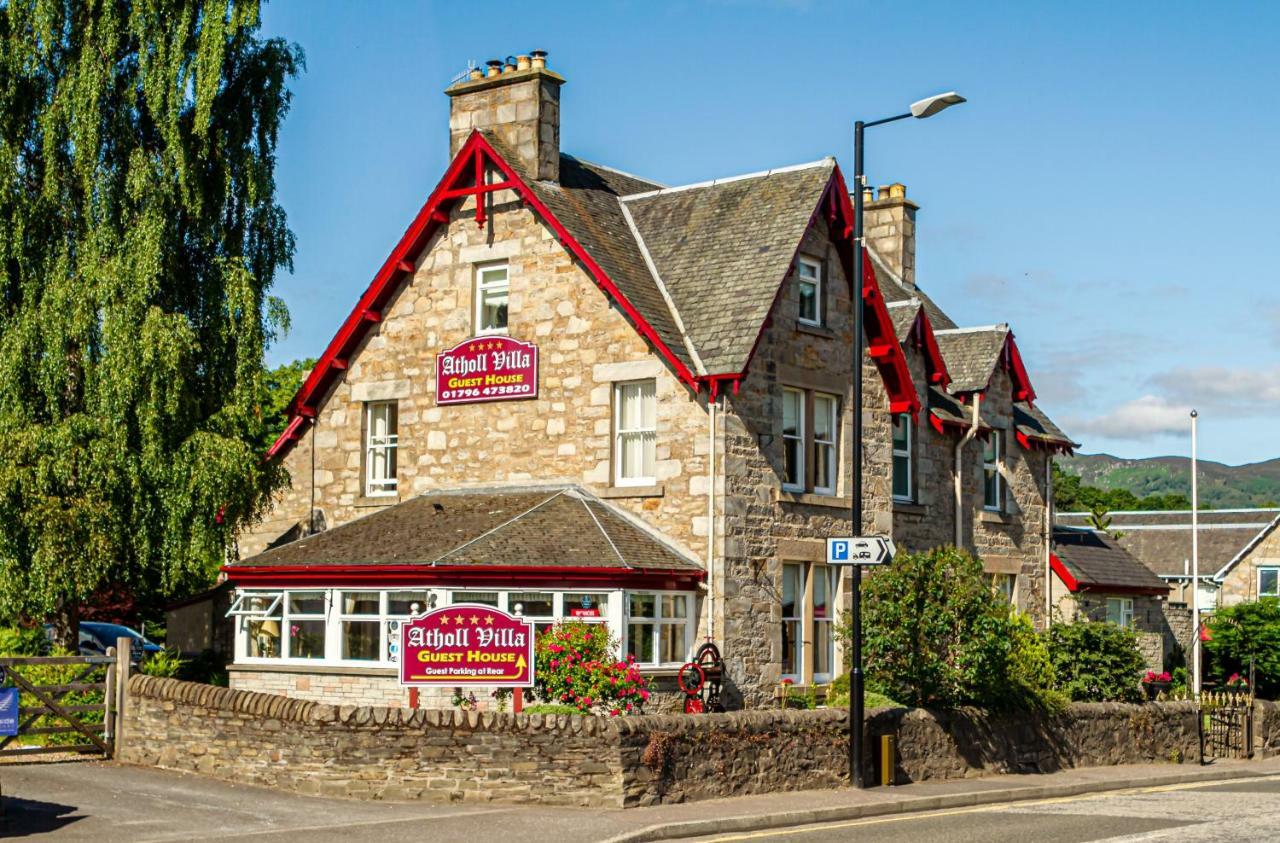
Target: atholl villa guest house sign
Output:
[(466, 644), (484, 368)]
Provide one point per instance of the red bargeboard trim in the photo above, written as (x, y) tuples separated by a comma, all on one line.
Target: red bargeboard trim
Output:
[(1060, 569), (471, 158), (882, 341), (463, 575), (938, 373), (1022, 389), (1075, 585)]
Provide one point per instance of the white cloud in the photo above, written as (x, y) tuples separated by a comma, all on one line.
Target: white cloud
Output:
[(1216, 388), (1139, 419)]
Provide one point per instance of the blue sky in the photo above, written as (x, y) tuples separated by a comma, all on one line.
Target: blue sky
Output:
[(1109, 190)]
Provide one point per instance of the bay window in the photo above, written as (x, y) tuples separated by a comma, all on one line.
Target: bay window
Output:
[(305, 618), (658, 628), (903, 458), (381, 443), (361, 626), (636, 433), (492, 289)]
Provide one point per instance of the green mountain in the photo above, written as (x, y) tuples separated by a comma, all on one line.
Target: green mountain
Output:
[(1221, 486)]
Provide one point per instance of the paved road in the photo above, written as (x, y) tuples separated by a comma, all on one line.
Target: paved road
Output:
[(1240, 810)]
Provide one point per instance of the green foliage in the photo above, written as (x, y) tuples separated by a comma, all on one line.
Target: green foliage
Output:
[(22, 641), (576, 665), (1246, 630), (838, 696), (1165, 482), (278, 388), (549, 708), (1031, 677), (936, 634), (1096, 661), (167, 663), (139, 237), (1071, 494)]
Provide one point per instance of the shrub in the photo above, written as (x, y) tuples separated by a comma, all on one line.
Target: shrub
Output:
[(550, 708), (576, 666), (936, 634), (1096, 661), (21, 641), (167, 663), (1030, 673), (1238, 633)]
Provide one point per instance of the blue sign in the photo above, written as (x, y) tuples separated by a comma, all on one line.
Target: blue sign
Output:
[(860, 550), (8, 711), (837, 551)]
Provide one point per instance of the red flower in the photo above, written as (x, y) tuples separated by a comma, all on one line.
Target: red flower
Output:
[(788, 681)]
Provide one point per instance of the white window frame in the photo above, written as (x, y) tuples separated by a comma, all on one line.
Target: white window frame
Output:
[(485, 285), (816, 283), (620, 433), (325, 616), (831, 579), (995, 467), (907, 454), (1271, 569), (1124, 611), (798, 606), (388, 448), (826, 450), (1006, 585), (798, 484), (656, 623)]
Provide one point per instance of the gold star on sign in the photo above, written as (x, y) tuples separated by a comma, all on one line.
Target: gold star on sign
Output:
[(444, 619), (488, 619), (459, 619), (471, 347), (475, 619)]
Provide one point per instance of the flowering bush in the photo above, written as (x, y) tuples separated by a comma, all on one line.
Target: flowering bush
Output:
[(1152, 676), (1236, 682), (576, 665)]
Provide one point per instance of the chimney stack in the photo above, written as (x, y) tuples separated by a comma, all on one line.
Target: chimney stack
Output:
[(889, 225), (518, 101)]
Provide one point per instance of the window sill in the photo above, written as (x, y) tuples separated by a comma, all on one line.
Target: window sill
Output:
[(655, 490), (990, 516), (317, 667), (810, 499), (909, 508), (815, 330), (376, 500)]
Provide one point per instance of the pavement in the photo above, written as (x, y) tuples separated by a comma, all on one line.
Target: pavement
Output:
[(103, 802)]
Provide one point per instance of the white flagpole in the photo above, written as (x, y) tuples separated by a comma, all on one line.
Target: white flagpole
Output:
[(1195, 563)]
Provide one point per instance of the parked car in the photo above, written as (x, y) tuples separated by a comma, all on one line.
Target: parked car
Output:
[(96, 637)]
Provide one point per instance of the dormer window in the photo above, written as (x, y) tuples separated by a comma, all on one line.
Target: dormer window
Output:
[(492, 288), (810, 292)]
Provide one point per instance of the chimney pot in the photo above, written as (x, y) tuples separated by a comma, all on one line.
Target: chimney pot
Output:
[(520, 109), (522, 62), (538, 59), (495, 67), (510, 66), (476, 73), (868, 194), (897, 190), (883, 191)]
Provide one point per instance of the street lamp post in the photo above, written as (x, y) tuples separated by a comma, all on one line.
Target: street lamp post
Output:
[(1195, 564), (921, 109)]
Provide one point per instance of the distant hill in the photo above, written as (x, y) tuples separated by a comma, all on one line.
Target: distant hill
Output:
[(1221, 486)]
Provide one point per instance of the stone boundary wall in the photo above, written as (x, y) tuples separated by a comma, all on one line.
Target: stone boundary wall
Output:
[(434, 755)]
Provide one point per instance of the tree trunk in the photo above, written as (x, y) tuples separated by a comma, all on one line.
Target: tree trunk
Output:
[(66, 627)]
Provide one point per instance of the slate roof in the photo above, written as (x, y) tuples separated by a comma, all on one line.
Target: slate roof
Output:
[(972, 355), (538, 527), (722, 249), (1162, 540), (1031, 421), (895, 289), (904, 313), (1096, 561), (948, 409)]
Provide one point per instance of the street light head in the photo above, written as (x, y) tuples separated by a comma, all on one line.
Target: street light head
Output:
[(1194, 414), (930, 106)]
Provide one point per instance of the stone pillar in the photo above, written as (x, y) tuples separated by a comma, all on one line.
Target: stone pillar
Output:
[(890, 229), (519, 106)]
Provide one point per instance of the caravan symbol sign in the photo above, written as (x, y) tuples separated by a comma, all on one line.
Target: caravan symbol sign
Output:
[(860, 550)]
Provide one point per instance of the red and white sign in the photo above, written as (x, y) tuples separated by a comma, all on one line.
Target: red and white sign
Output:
[(487, 369), (467, 644)]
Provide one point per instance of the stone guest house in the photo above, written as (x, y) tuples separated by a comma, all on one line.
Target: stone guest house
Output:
[(576, 393)]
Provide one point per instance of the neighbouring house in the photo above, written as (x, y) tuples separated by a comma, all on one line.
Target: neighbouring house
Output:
[(579, 393), (1254, 572), (198, 624), (1096, 579)]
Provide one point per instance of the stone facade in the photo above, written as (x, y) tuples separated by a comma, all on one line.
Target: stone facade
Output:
[(386, 753), (1240, 584)]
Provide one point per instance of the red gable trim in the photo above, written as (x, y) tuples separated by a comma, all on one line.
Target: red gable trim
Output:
[(464, 178), (1022, 389), (1075, 586), (1069, 581), (922, 331), (284, 576), (882, 341)]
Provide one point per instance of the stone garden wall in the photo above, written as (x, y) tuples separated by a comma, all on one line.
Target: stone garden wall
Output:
[(433, 755)]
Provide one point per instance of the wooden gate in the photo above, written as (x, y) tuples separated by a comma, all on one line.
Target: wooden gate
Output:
[(1226, 725), (67, 704)]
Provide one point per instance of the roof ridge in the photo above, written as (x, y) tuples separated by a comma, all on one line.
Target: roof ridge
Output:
[(501, 526), (662, 288), (729, 179), (999, 326), (604, 533), (597, 164)]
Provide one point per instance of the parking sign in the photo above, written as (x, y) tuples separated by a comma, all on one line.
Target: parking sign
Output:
[(860, 550)]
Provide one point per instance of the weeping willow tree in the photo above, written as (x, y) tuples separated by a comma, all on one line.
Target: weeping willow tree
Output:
[(139, 237)]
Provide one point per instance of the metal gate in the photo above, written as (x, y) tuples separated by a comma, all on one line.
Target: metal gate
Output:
[(1226, 725), (65, 704)]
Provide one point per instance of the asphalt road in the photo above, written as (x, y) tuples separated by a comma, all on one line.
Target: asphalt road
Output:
[(1243, 810)]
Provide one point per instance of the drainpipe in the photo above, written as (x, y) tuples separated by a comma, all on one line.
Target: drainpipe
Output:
[(968, 437), (711, 519), (1048, 538)]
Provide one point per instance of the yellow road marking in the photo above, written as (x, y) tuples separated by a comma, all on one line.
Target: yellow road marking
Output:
[(996, 806)]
